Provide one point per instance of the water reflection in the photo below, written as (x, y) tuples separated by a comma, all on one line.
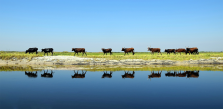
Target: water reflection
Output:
[(155, 75), (179, 74), (169, 74), (128, 75), (192, 74), (76, 75), (47, 75), (107, 75), (188, 74), (31, 74)]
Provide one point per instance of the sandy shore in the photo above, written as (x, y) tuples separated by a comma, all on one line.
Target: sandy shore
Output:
[(72, 60)]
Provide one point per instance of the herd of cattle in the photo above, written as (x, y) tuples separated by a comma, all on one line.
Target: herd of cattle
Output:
[(188, 74), (189, 51)]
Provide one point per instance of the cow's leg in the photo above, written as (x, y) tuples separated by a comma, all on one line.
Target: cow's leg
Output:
[(47, 53), (52, 53), (85, 53), (44, 53)]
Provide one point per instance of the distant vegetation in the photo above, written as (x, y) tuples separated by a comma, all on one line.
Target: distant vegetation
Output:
[(116, 55)]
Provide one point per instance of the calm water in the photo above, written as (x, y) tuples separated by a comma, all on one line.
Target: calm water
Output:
[(139, 90)]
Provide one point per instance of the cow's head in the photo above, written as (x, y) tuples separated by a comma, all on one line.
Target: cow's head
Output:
[(42, 50), (149, 49), (26, 51), (123, 49), (102, 49), (73, 49), (166, 50)]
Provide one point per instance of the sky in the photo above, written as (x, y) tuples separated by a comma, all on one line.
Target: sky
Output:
[(96, 24)]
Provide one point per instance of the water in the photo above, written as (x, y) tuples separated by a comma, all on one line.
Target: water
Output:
[(198, 90)]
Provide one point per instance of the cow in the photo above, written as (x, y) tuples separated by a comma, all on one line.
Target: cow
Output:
[(192, 50), (192, 74), (46, 50), (128, 75), (76, 75), (184, 74), (154, 50), (107, 51), (76, 50), (31, 74), (106, 75), (32, 50), (170, 51), (180, 50), (126, 50), (169, 74), (47, 75), (154, 75)]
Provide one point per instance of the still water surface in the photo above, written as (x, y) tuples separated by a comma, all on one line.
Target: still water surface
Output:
[(66, 89)]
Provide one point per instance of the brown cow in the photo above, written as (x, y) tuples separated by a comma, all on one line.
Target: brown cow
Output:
[(154, 50), (180, 50), (192, 50), (76, 75), (128, 75), (47, 75), (106, 75), (155, 75), (126, 50), (107, 51), (76, 50)]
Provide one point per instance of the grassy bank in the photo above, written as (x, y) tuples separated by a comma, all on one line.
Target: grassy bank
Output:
[(116, 55), (118, 68)]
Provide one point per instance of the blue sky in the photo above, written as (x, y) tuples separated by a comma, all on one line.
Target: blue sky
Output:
[(96, 24)]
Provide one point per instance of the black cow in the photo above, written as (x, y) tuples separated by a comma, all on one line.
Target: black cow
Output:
[(76, 50), (32, 50), (107, 75), (192, 50), (47, 50), (107, 51), (170, 51), (31, 74), (47, 75)]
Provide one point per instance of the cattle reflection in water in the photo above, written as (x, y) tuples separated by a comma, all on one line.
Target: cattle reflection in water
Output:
[(107, 75), (47, 75), (179, 74), (188, 74), (192, 74), (76, 75), (155, 75), (169, 74), (31, 74), (128, 75)]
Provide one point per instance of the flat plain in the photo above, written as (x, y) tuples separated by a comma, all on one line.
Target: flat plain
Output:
[(7, 55)]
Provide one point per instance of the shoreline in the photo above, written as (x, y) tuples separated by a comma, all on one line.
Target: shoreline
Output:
[(73, 60)]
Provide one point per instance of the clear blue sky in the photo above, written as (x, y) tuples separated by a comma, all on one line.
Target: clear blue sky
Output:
[(96, 24)]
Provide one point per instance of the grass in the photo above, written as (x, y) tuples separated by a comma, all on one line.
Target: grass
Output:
[(116, 55), (120, 68)]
